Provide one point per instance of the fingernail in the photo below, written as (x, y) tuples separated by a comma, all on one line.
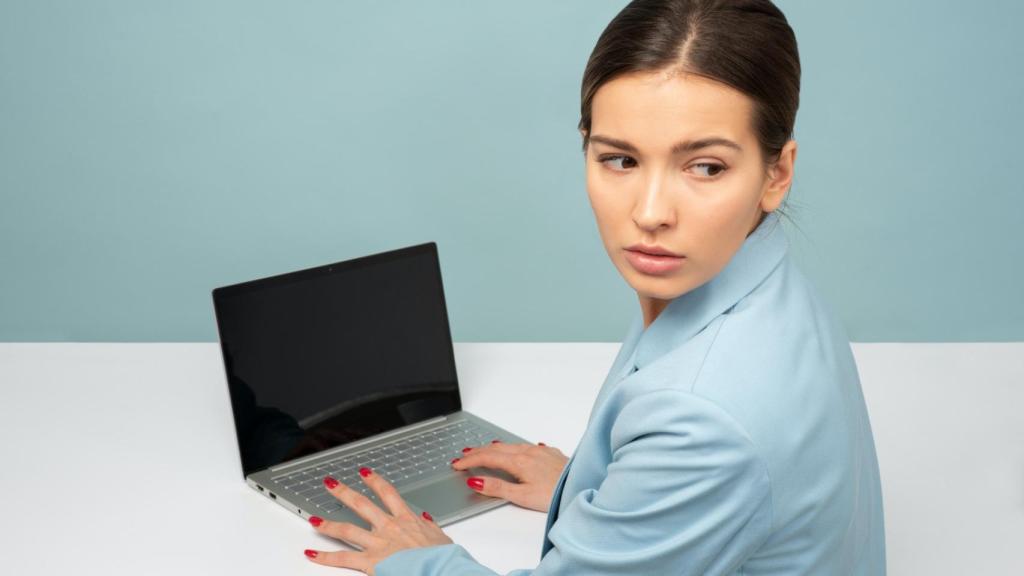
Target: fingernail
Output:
[(428, 516), (330, 482), (475, 483), (464, 450), (541, 444), (311, 553), (316, 520), (454, 460), (364, 472), (495, 441)]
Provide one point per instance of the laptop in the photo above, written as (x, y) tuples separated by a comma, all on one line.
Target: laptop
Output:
[(346, 365)]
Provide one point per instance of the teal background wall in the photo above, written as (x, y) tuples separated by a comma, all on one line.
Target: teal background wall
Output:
[(152, 151)]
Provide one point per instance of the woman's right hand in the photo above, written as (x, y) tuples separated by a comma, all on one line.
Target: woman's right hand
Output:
[(536, 467)]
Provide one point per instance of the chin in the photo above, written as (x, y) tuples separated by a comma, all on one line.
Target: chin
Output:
[(662, 294), (657, 287)]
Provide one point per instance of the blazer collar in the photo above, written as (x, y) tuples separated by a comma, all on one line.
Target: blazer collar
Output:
[(689, 313)]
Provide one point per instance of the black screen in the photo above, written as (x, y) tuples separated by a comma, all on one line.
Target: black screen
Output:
[(333, 354)]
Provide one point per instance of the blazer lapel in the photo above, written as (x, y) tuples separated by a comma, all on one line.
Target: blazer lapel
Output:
[(622, 363)]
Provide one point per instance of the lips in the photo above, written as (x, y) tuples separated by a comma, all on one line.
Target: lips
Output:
[(653, 250), (653, 264)]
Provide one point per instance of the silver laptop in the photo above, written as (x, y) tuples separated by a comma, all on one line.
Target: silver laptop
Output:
[(347, 365)]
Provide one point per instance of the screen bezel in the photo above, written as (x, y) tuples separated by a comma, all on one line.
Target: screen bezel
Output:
[(428, 248)]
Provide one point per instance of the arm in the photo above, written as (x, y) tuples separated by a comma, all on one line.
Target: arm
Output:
[(685, 493)]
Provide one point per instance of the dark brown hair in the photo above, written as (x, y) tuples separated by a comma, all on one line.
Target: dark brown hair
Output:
[(745, 44)]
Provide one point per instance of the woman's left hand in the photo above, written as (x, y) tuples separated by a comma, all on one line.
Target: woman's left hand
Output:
[(390, 532)]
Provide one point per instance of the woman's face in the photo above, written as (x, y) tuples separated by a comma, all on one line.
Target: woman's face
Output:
[(673, 163)]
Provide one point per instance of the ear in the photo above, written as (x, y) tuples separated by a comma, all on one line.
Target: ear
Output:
[(780, 178)]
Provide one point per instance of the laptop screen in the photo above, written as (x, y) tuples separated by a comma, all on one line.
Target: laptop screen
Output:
[(337, 353)]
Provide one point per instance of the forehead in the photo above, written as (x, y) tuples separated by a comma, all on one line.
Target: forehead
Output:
[(658, 109)]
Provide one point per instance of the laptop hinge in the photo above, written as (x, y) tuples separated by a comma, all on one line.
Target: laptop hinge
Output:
[(357, 443)]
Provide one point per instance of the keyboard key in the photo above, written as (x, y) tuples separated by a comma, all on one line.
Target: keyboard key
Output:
[(400, 461), (323, 498)]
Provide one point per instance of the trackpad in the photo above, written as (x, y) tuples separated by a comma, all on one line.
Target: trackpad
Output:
[(450, 495)]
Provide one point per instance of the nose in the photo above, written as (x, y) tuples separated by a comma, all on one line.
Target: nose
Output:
[(655, 208)]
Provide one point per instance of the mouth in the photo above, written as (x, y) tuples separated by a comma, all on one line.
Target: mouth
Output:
[(652, 250), (653, 264)]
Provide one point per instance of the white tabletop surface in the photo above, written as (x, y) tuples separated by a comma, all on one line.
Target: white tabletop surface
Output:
[(121, 458)]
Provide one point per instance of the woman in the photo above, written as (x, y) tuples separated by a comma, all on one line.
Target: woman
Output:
[(731, 435)]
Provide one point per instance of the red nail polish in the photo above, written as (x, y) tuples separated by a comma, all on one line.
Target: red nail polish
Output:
[(311, 553), (541, 444), (364, 472), (316, 520), (454, 460), (464, 450), (428, 516), (495, 441), (475, 483), (331, 483)]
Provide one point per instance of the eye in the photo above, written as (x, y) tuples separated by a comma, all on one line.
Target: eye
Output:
[(709, 169), (616, 158)]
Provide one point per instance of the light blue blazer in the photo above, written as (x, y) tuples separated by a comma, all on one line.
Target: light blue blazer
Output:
[(730, 437)]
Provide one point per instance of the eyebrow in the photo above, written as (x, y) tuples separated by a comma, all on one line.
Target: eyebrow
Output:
[(678, 148)]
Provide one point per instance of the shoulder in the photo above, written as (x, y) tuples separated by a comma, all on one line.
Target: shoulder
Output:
[(763, 375), (782, 368), (776, 350)]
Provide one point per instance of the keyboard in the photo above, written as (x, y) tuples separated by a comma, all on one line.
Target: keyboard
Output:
[(402, 462)]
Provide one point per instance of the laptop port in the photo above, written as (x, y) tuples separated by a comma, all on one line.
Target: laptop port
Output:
[(260, 487), (272, 495)]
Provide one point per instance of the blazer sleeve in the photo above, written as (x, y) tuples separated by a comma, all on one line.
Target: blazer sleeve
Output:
[(686, 492)]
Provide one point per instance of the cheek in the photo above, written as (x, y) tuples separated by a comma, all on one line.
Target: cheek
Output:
[(720, 214), (721, 230), (611, 206)]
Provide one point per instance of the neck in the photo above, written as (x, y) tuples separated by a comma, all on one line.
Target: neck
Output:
[(651, 308)]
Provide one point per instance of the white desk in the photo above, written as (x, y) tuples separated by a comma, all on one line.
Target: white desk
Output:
[(121, 458)]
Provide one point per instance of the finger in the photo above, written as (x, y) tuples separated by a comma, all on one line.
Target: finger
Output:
[(496, 487), (506, 449), (386, 492), (344, 531), (358, 503), (499, 447), (500, 460), (340, 559), (527, 444)]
